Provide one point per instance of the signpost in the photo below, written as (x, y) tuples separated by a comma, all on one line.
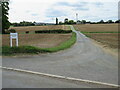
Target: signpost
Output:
[(13, 36)]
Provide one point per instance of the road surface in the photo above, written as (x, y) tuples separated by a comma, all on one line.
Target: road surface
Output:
[(83, 60)]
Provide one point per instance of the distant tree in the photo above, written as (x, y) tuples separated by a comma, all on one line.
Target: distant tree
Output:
[(118, 21), (24, 23), (101, 21), (5, 22), (66, 21), (83, 21), (60, 23), (110, 21), (71, 22), (56, 21), (78, 22)]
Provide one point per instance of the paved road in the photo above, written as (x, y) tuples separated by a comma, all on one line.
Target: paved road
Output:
[(84, 60), (13, 79)]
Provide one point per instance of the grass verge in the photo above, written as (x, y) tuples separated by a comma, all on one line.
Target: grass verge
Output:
[(7, 51), (98, 32)]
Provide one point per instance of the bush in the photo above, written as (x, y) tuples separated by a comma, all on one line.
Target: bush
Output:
[(27, 32), (10, 31), (53, 31)]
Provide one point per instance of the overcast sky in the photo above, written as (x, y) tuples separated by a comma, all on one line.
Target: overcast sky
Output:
[(48, 10)]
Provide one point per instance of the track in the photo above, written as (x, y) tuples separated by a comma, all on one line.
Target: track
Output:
[(83, 61)]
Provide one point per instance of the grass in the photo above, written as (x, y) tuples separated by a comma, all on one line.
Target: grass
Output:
[(6, 50), (99, 32)]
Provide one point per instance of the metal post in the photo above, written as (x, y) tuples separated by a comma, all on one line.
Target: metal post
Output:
[(10, 41), (17, 42)]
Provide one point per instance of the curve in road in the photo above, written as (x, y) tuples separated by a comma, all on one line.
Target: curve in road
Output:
[(83, 60)]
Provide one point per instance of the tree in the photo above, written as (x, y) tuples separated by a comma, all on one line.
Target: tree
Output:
[(71, 22), (0, 19), (118, 21), (5, 22), (56, 21), (101, 21), (110, 21), (83, 21), (60, 23), (66, 21)]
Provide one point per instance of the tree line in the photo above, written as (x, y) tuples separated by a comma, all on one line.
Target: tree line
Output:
[(67, 21)]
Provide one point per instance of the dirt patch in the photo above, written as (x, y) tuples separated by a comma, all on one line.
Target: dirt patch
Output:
[(38, 40)]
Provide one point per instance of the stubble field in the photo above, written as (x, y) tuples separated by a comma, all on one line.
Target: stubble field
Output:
[(38, 40), (31, 29), (106, 34)]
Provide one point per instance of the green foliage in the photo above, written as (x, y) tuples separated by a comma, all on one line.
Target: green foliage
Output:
[(24, 23), (6, 50), (99, 32), (66, 21), (118, 21), (83, 21), (64, 45), (10, 31), (27, 32), (110, 21), (101, 21), (71, 22), (56, 21), (53, 31), (5, 22)]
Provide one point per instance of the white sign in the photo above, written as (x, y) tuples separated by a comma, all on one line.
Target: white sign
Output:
[(14, 36)]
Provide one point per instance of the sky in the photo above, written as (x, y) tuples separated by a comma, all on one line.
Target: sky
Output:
[(48, 10)]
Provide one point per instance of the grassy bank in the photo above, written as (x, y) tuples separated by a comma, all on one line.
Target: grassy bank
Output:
[(98, 32), (6, 50)]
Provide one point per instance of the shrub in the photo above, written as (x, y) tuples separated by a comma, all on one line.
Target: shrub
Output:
[(53, 31), (27, 32), (10, 31)]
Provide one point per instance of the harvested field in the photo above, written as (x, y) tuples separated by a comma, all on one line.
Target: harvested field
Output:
[(107, 39), (97, 27), (31, 29), (38, 40)]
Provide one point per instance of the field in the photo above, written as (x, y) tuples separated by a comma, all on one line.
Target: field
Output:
[(97, 27), (31, 29), (106, 34), (39, 40)]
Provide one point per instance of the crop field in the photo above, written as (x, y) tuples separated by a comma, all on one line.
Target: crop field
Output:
[(108, 39), (106, 34), (97, 27), (31, 29), (38, 40)]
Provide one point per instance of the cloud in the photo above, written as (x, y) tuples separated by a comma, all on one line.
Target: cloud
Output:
[(34, 14), (75, 6), (55, 13), (44, 10)]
